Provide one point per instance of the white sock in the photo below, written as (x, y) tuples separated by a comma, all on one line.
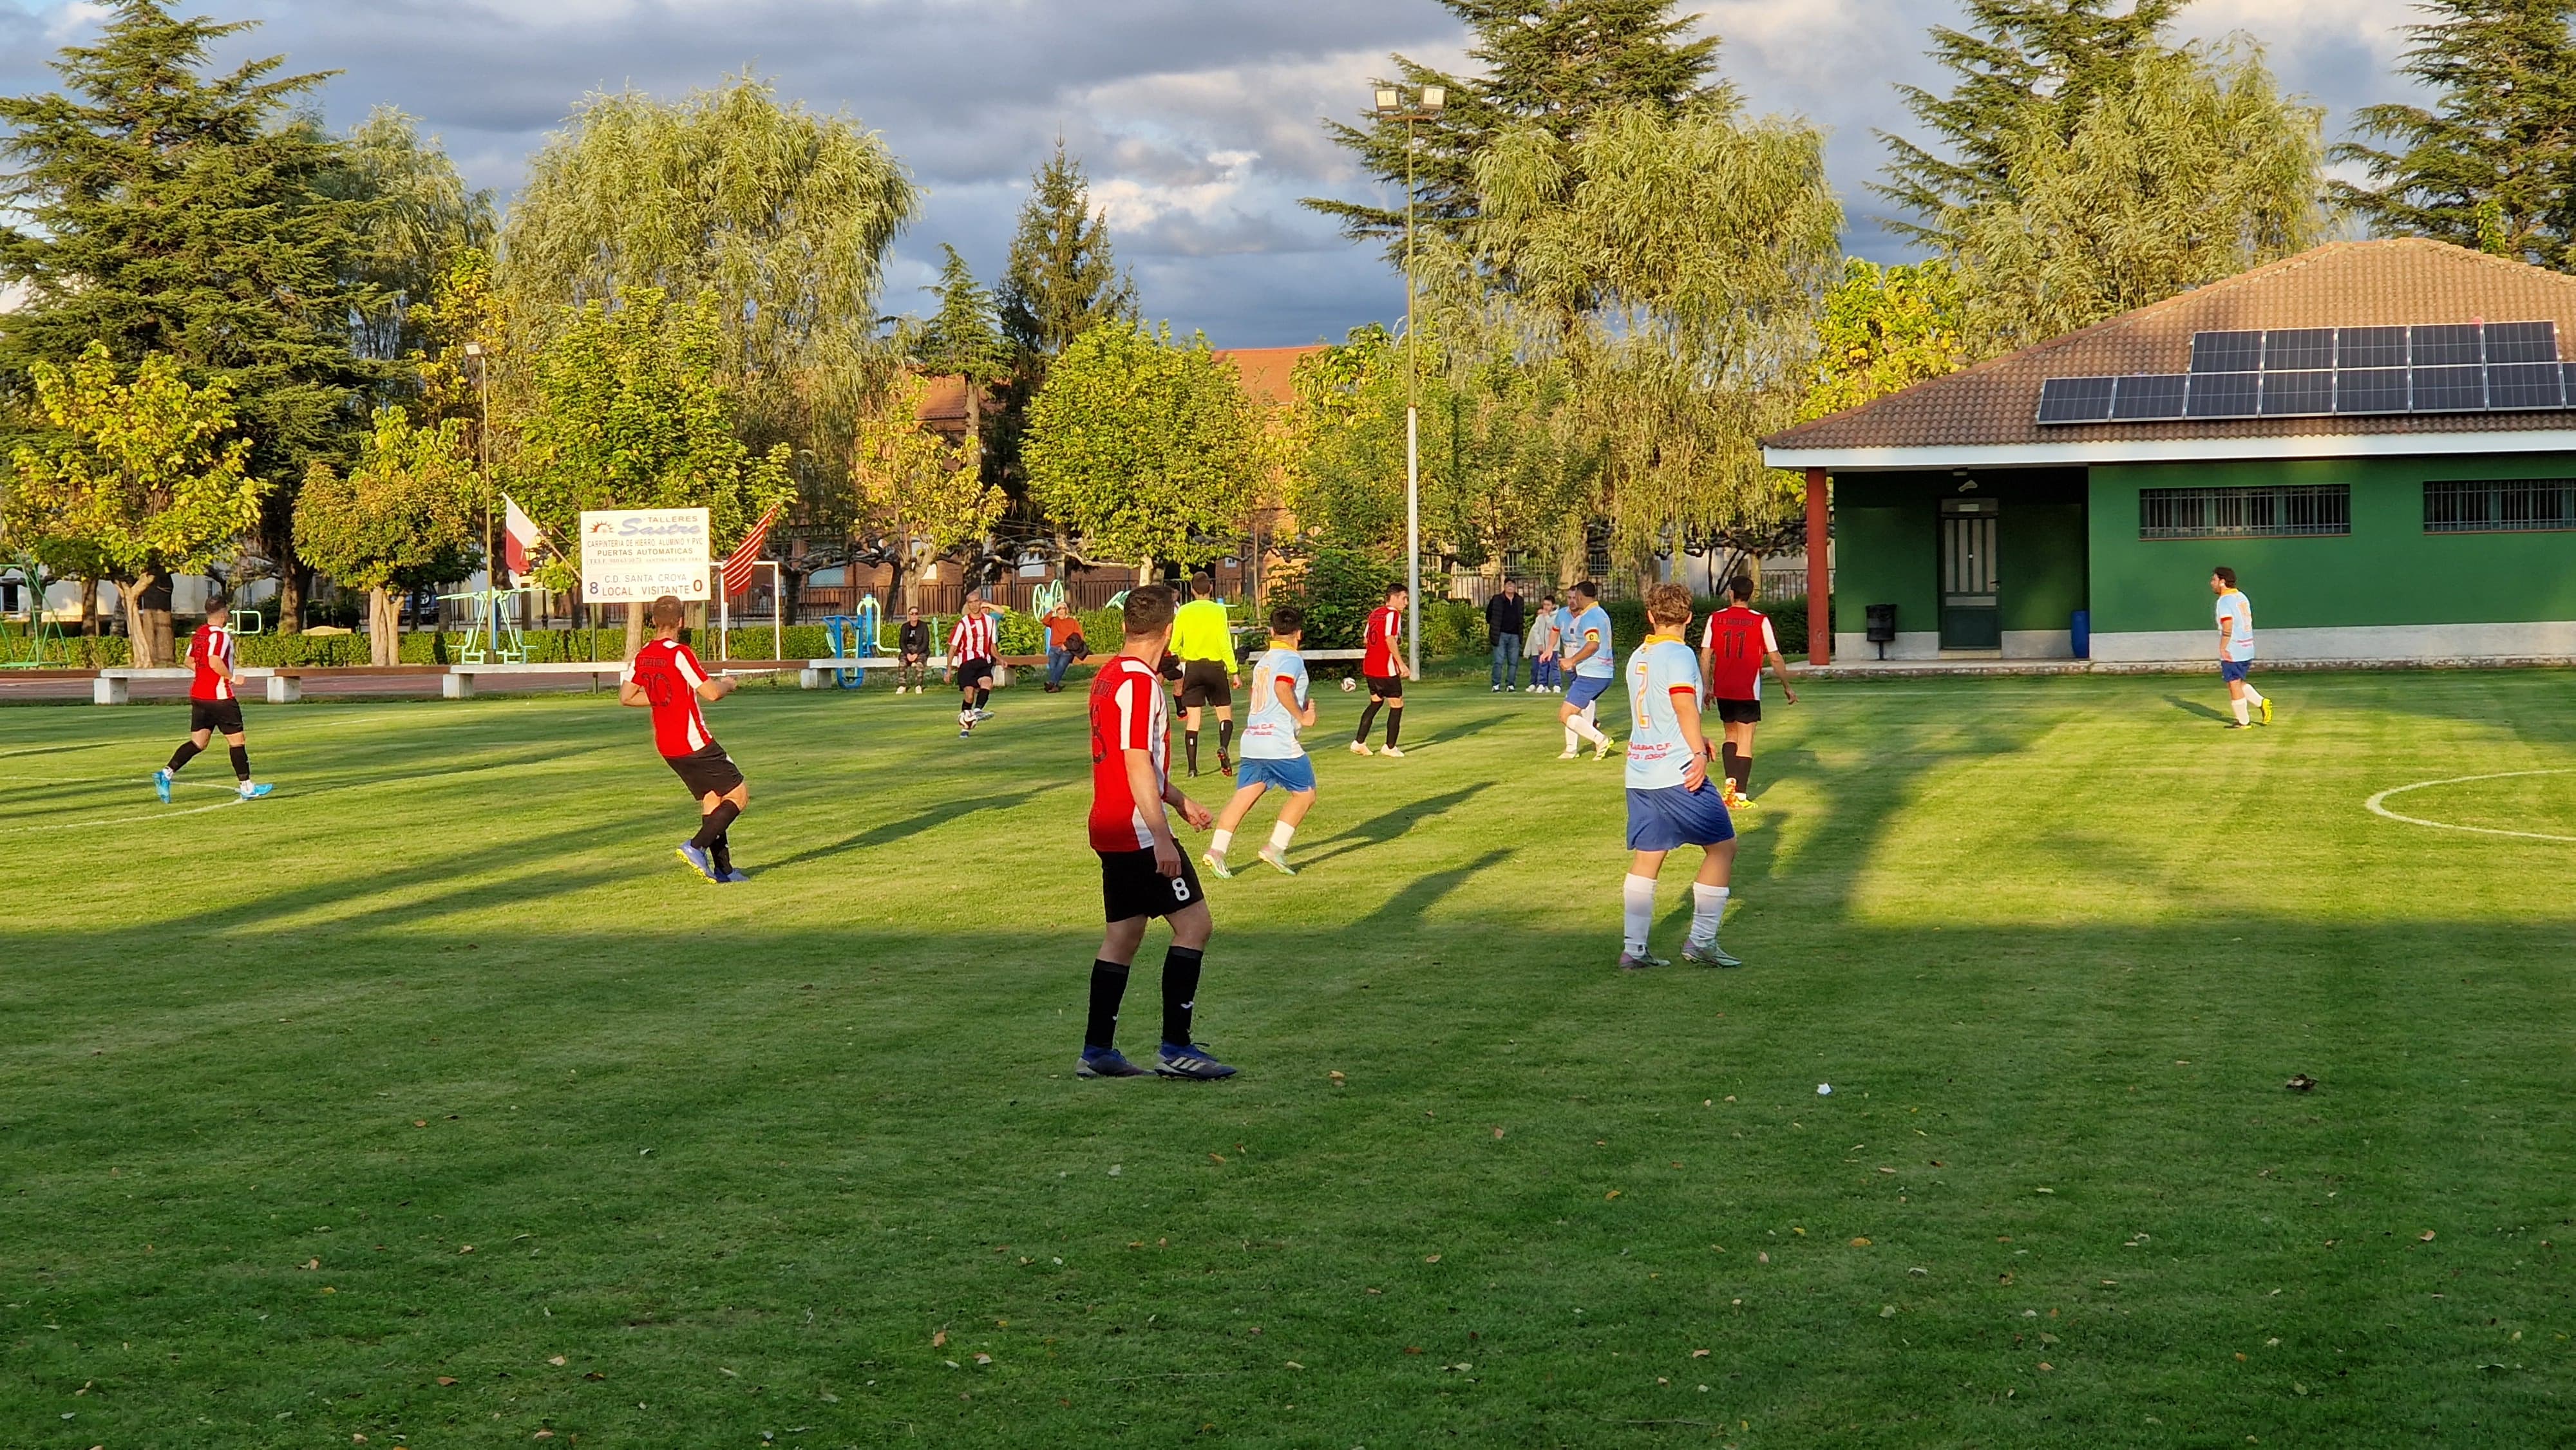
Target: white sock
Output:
[(1218, 842), (1708, 907), (1591, 731), (1280, 835), (1569, 734), (1637, 899), (2239, 707), (2253, 697)]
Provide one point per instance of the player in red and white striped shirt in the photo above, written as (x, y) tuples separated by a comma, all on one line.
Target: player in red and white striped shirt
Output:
[(214, 703), (974, 648), (1383, 666), (1143, 872), (666, 676)]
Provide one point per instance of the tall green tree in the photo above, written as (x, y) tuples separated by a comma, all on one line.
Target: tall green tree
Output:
[(780, 214), (1884, 329), (1673, 265), (1143, 449), (164, 207), (2195, 170), (136, 480), (963, 339), (2019, 65), (916, 495), (419, 217), (2491, 163), (1552, 64), (1062, 279), (408, 514), (632, 407)]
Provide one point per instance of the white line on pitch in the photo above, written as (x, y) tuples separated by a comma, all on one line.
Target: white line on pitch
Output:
[(2377, 805)]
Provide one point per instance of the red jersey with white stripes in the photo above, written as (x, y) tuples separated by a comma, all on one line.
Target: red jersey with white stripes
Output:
[(669, 676), (1738, 641), (1127, 713), (973, 639), (1385, 638), (210, 653)]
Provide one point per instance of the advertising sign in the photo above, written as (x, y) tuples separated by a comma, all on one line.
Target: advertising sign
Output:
[(635, 556)]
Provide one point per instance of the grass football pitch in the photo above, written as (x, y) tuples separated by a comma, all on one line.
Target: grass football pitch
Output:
[(429, 1102)]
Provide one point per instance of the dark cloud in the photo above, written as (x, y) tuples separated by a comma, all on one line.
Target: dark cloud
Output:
[(1197, 118)]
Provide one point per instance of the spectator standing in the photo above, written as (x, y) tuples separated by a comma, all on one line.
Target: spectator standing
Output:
[(912, 652), (1547, 635), (1063, 635), (1504, 621)]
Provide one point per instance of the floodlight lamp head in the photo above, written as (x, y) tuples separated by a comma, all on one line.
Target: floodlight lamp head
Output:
[(473, 349), (1389, 100), (1435, 99)]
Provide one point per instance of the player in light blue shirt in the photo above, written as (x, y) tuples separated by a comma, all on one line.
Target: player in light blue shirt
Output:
[(1587, 650), (1670, 801), (1272, 753)]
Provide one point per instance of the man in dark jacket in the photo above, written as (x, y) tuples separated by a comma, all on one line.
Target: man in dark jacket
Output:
[(912, 647), (1504, 621)]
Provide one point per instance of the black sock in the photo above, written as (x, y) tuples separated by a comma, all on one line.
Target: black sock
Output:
[(722, 852), (186, 752), (1108, 986), (1368, 717), (1726, 758), (1180, 992), (1743, 774), (981, 696), (711, 827), (1225, 737), (1394, 725), (241, 762), (1190, 738)]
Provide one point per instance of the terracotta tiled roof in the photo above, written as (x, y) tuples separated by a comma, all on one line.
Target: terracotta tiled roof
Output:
[(1269, 372), (2403, 281)]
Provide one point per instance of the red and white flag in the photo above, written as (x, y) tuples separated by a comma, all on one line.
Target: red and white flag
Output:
[(742, 565), (520, 536)]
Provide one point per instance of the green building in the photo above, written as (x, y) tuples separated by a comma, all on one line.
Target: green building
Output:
[(2379, 437)]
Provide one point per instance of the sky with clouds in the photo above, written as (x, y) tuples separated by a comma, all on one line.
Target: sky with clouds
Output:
[(1199, 119)]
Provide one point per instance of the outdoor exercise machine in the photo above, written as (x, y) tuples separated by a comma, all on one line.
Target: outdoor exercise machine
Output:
[(27, 652), (854, 636)]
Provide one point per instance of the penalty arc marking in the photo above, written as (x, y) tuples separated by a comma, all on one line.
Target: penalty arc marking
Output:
[(2378, 805)]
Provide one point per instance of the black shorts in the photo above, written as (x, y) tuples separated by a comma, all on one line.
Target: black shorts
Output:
[(221, 716), (971, 673), (1170, 668), (1386, 687), (1130, 887), (1739, 712), (1204, 682), (709, 772)]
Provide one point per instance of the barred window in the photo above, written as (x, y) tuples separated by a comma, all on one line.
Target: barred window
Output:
[(2499, 506), (2294, 510)]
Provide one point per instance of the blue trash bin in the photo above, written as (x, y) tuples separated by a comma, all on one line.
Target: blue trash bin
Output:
[(2081, 627)]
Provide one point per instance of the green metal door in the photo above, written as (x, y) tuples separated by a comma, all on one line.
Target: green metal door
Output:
[(1969, 588)]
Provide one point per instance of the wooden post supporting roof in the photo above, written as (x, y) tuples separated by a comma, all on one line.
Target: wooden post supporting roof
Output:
[(1820, 574)]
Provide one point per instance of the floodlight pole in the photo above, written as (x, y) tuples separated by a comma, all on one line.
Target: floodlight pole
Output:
[(483, 449), (1428, 103)]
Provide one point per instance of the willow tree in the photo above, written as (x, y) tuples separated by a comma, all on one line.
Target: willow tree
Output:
[(1672, 264), (781, 214), (2195, 170), (418, 217)]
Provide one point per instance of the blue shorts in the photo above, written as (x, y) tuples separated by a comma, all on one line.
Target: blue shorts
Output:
[(2233, 670), (1294, 774), (1673, 817), (1586, 689)]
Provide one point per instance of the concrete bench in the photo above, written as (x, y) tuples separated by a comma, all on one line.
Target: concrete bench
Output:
[(111, 685)]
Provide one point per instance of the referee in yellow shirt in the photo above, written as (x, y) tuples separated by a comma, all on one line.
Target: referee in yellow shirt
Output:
[(1204, 641)]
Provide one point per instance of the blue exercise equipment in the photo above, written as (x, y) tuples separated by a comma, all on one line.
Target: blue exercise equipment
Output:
[(854, 636)]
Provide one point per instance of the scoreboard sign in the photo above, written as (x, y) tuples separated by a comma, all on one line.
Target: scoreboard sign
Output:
[(635, 556)]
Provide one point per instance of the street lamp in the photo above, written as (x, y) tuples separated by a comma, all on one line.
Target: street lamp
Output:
[(483, 449), (1427, 105)]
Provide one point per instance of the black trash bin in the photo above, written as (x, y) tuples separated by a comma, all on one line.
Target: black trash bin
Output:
[(1882, 626)]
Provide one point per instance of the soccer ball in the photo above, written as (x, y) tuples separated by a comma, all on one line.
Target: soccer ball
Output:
[(1349, 684)]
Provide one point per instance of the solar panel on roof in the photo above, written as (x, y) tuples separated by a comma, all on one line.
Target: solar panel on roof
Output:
[(2225, 395), (2370, 347), (2075, 400), (2298, 349), (2524, 385), (2522, 342), (2226, 352), (2145, 396), (2370, 390), (2449, 345), (2298, 394), (2449, 390)]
